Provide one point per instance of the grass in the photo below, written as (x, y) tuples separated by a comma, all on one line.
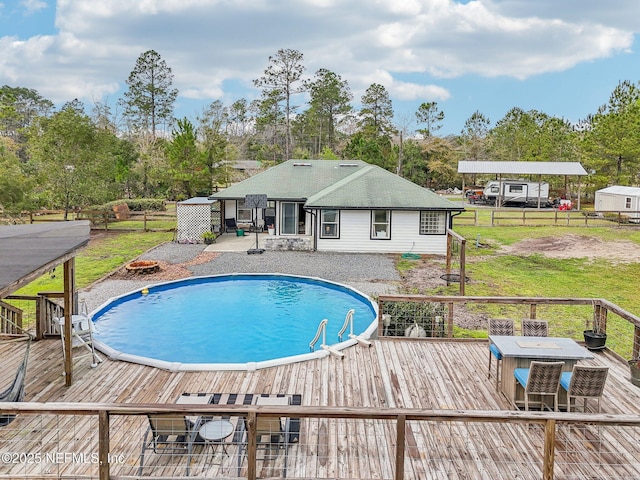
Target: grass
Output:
[(104, 255), (492, 274), (536, 275)]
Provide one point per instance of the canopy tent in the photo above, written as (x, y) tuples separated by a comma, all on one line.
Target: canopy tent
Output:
[(29, 251)]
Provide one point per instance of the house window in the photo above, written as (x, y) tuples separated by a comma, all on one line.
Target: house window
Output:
[(433, 223), (330, 224), (627, 202), (381, 224), (243, 214)]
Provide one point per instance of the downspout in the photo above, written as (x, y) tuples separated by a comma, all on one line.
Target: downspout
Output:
[(451, 215)]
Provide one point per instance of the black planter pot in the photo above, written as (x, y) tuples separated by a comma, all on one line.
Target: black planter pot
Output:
[(594, 340)]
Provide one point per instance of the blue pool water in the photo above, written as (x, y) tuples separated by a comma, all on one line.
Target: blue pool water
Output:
[(229, 318)]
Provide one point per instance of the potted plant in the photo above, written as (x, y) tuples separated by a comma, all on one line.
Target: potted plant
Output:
[(272, 229), (209, 237), (595, 339), (634, 366)]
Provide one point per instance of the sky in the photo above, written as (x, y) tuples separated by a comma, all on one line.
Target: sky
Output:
[(560, 57)]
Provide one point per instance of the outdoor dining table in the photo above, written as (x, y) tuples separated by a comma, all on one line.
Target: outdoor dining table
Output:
[(519, 351)]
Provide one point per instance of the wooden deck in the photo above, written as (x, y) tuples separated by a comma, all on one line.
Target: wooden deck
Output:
[(418, 374)]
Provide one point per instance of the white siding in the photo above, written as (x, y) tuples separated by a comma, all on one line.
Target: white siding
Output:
[(355, 236)]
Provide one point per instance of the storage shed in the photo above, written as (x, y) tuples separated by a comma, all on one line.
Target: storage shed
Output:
[(194, 217), (619, 198)]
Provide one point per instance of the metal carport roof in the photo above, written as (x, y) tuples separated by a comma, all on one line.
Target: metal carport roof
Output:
[(521, 168)]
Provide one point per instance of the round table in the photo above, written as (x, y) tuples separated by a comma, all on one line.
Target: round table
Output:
[(214, 431)]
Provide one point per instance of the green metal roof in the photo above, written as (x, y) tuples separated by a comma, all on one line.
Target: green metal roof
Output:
[(337, 184)]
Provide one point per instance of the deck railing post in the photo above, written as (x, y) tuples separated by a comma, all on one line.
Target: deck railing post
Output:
[(252, 446), (103, 445), (401, 422), (549, 451)]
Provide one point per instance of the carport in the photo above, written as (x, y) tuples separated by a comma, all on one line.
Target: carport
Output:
[(29, 251), (538, 169)]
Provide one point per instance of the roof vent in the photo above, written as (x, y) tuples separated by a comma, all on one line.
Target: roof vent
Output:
[(348, 164), (301, 164)]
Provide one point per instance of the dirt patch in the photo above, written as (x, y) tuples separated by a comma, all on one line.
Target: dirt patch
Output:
[(167, 271), (576, 246)]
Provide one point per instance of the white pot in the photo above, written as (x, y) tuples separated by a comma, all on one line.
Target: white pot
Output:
[(272, 231)]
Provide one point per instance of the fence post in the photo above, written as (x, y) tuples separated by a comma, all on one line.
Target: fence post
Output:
[(144, 222), (450, 321)]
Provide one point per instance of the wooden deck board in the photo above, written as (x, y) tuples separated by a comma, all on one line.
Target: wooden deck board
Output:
[(392, 373)]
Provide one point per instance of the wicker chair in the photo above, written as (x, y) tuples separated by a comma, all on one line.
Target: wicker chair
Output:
[(498, 326), (584, 382), (542, 378), (535, 328)]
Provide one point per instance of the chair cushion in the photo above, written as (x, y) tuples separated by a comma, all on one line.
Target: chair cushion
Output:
[(494, 350), (522, 376), (565, 380)]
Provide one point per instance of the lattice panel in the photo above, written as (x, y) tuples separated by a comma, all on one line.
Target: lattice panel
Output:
[(193, 221)]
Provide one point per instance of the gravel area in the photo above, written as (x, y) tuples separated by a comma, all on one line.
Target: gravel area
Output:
[(371, 274)]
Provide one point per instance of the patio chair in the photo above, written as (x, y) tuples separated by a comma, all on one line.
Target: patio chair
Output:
[(498, 326), (81, 333), (535, 328), (271, 433), (230, 224), (584, 382), (541, 378), (169, 435)]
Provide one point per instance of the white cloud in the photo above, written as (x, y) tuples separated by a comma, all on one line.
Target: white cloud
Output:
[(211, 43), (33, 6)]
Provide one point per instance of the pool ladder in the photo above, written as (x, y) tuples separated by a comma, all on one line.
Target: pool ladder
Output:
[(322, 331), (348, 322)]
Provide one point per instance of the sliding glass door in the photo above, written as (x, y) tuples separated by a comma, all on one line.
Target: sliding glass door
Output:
[(289, 224)]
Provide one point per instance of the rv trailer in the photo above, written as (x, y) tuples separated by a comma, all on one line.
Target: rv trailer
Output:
[(517, 193)]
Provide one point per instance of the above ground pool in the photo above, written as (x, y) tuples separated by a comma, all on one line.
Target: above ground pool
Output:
[(241, 321)]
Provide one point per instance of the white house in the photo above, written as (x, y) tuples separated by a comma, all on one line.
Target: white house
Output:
[(343, 206), (619, 199)]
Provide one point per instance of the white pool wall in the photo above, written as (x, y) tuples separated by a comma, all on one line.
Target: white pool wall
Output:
[(248, 366)]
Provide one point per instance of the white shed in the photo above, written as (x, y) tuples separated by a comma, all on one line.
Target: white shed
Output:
[(619, 199), (194, 217)]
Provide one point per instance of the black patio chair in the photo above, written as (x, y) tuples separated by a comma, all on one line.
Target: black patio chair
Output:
[(230, 224)]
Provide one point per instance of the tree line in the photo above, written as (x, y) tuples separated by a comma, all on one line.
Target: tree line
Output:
[(74, 157)]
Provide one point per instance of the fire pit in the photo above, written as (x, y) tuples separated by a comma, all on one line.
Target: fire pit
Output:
[(143, 266)]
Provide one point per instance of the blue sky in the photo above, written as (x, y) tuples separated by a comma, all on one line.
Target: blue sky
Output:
[(563, 58)]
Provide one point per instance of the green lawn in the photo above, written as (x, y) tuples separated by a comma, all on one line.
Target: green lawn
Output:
[(495, 274), (101, 257)]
